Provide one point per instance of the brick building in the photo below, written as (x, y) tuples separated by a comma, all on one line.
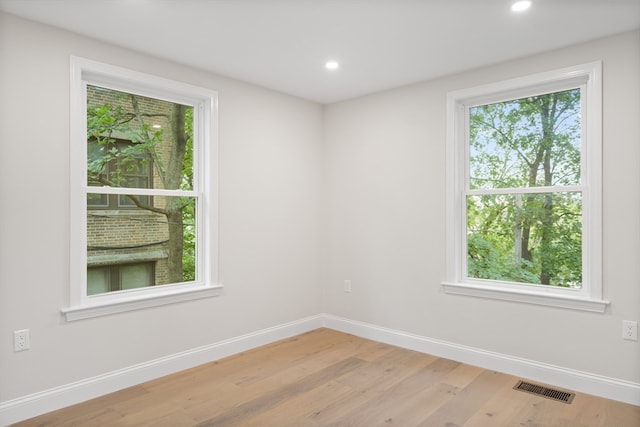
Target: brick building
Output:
[(127, 242)]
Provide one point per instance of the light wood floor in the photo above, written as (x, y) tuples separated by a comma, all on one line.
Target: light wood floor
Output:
[(328, 378)]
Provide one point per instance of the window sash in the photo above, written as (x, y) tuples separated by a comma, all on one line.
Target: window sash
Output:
[(587, 77), (141, 191), (468, 191), (468, 231), (526, 190)]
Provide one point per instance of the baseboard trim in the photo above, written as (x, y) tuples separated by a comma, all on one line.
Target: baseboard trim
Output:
[(597, 385), (40, 403)]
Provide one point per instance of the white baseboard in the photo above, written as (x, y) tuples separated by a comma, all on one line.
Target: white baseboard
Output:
[(50, 400), (597, 385), (36, 404)]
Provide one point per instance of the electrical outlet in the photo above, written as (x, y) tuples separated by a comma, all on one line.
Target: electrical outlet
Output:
[(21, 340), (630, 330), (347, 285)]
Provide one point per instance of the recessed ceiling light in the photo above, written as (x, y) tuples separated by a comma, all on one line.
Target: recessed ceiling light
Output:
[(331, 65), (520, 6)]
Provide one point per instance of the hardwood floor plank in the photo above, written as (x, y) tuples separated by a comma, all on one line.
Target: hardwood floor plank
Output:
[(328, 378), (405, 400), (502, 408), (462, 375), (373, 380), (267, 401), (100, 410), (301, 409), (468, 400), (604, 413)]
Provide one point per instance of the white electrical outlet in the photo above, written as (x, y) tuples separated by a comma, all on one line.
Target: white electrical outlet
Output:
[(630, 330), (21, 340), (347, 285)]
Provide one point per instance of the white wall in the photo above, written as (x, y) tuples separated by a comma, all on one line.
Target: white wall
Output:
[(269, 161), (385, 217)]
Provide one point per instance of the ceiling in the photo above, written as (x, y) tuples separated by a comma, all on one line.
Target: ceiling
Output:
[(380, 44)]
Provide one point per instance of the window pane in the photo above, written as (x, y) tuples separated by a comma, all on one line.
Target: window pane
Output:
[(97, 200), (116, 277), (136, 275), (138, 142), (526, 238), (163, 231), (527, 142), (97, 280), (126, 201)]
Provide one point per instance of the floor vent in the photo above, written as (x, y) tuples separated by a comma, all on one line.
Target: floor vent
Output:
[(549, 393)]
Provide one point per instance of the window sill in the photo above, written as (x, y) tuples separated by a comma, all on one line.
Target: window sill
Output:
[(528, 297), (105, 308)]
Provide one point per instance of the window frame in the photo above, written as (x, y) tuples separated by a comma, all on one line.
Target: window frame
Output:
[(587, 77), (205, 105)]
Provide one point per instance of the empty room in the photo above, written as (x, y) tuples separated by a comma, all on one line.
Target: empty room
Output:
[(320, 213)]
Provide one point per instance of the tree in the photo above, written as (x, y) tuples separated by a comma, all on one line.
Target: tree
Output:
[(528, 235), (126, 116)]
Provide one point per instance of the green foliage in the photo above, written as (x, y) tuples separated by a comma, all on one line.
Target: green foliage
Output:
[(189, 210), (527, 235), (187, 165), (487, 261), (104, 123), (189, 240)]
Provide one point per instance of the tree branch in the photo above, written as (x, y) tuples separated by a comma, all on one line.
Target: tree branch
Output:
[(104, 181)]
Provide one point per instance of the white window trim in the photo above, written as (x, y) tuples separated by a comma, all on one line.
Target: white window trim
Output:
[(204, 101), (589, 78)]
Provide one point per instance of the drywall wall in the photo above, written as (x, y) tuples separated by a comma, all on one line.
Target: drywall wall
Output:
[(269, 171), (385, 215)]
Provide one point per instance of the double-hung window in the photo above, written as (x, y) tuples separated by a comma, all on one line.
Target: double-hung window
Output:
[(524, 190), (143, 191)]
